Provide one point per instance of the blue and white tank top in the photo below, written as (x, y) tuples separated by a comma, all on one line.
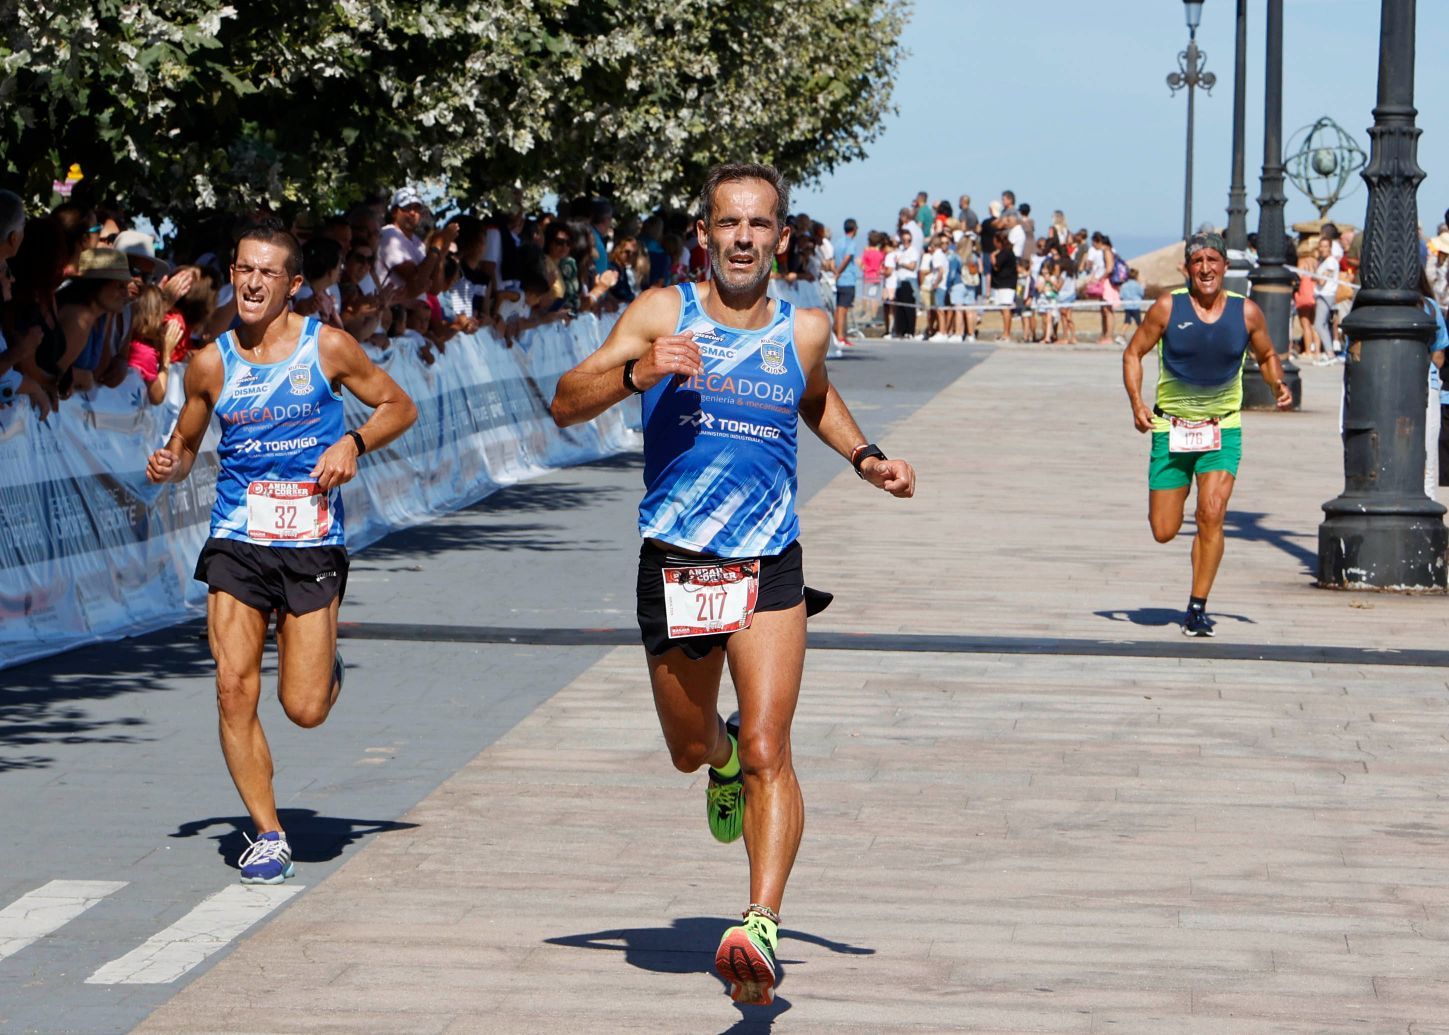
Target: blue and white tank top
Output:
[(276, 420), (720, 447)]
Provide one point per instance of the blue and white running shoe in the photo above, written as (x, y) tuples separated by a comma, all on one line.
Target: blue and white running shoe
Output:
[(267, 860)]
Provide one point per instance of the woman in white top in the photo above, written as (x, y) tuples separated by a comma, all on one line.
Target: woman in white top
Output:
[(1325, 294)]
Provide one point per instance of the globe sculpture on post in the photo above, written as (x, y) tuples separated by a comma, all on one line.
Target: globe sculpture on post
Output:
[(1322, 160)]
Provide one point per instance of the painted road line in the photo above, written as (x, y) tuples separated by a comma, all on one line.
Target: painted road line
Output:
[(168, 954), (37, 913)]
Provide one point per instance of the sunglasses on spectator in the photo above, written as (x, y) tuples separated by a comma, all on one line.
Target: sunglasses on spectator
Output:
[(247, 271), (628, 255), (109, 238)]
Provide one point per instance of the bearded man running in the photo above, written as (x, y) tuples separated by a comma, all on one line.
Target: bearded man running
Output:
[(725, 373)]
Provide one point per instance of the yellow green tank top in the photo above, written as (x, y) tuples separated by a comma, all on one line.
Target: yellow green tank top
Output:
[(1200, 365)]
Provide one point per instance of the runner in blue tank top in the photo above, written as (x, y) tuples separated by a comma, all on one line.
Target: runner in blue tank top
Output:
[(277, 542), (726, 372), (1201, 334)]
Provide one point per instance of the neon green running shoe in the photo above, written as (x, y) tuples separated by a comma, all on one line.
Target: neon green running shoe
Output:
[(724, 801), (746, 960)]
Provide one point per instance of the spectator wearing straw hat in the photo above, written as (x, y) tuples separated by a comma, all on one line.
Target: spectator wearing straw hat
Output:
[(89, 303)]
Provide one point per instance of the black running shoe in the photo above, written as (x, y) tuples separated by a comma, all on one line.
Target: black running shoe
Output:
[(1196, 623)]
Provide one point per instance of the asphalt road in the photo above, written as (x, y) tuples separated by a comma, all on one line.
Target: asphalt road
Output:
[(113, 782)]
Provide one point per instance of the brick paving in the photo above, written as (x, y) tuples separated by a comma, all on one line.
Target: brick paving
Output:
[(1041, 843)]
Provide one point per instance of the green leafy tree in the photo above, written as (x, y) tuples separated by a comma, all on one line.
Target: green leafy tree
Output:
[(176, 106)]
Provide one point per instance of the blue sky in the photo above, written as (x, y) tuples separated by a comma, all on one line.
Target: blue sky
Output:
[(1066, 103)]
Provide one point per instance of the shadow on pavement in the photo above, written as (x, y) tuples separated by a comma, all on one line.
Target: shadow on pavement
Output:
[(41, 702), (1160, 616), (312, 837), (1240, 525), (617, 462), (686, 946), (456, 532)]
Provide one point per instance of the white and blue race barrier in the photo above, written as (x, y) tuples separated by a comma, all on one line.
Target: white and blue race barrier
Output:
[(91, 551)]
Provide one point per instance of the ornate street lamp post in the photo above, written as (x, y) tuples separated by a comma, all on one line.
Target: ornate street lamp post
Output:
[(1272, 282), (1237, 193), (1190, 74), (1384, 532)]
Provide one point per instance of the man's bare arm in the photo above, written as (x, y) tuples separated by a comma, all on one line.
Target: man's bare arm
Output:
[(826, 413), (645, 333), (1144, 340), (393, 411), (172, 463), (1269, 366)]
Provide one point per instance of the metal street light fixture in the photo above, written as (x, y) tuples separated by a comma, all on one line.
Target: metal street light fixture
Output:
[(1190, 74), (1272, 282), (1384, 531)]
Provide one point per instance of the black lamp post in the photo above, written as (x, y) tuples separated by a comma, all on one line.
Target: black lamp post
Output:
[(1190, 74), (1272, 282), (1384, 532), (1237, 194)]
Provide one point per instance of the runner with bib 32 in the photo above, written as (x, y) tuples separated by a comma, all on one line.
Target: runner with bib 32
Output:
[(277, 542), (725, 372), (1202, 334)]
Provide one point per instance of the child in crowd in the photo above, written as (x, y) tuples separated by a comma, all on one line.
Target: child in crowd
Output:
[(1065, 283), (1132, 297), (154, 338), (1046, 296), (1026, 296), (539, 308)]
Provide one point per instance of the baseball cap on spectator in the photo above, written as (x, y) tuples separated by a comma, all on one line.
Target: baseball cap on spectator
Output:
[(103, 264), (141, 250), (406, 197)]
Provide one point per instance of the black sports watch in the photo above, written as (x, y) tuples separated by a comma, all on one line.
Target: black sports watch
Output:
[(629, 377), (864, 453)]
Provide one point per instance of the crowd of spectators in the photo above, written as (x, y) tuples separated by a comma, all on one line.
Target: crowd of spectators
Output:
[(944, 268), (1328, 264), (85, 297)]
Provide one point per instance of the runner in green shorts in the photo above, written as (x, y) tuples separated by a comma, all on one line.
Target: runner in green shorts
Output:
[(1202, 334)]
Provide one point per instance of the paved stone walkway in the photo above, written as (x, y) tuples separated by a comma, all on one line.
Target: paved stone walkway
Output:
[(994, 843)]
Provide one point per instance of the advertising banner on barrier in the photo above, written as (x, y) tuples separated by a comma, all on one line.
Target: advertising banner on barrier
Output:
[(92, 551)]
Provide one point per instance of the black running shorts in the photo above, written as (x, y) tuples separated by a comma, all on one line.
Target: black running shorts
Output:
[(292, 579), (782, 586)]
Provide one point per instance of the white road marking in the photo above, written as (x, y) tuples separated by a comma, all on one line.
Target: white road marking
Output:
[(168, 954), (34, 915)]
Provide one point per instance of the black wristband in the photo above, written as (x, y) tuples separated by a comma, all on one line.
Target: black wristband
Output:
[(629, 377), (357, 441), (864, 453)]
